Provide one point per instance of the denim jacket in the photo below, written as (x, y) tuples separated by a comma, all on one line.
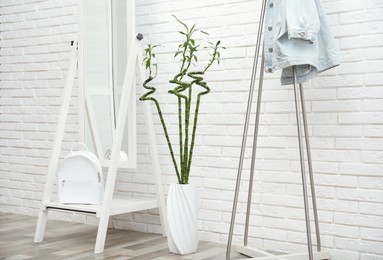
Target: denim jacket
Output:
[(297, 33)]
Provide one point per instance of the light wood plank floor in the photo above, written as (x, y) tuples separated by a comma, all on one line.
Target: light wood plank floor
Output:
[(65, 240)]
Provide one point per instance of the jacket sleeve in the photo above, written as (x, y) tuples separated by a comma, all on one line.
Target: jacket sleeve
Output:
[(302, 20)]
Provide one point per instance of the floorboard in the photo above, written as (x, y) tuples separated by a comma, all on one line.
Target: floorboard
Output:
[(65, 240)]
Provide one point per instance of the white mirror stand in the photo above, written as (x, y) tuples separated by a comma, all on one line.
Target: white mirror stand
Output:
[(112, 204)]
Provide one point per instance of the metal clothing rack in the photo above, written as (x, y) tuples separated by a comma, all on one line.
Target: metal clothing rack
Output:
[(298, 94)]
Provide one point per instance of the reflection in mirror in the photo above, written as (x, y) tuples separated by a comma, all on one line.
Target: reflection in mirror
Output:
[(104, 60), (119, 48)]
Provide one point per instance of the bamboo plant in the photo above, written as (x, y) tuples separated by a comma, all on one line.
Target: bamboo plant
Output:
[(184, 83)]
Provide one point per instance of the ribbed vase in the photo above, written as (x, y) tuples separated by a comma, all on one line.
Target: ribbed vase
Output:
[(182, 209)]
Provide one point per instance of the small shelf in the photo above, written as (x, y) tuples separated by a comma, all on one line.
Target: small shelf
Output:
[(121, 204)]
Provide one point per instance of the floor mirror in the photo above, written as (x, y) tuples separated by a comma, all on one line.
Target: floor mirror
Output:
[(102, 64)]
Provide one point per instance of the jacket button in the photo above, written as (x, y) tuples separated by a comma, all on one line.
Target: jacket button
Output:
[(270, 49), (270, 70), (271, 5), (270, 28)]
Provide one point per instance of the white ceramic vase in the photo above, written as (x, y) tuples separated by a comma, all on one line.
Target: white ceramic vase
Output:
[(182, 209)]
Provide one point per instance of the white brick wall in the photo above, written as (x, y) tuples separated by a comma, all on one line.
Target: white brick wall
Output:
[(344, 105)]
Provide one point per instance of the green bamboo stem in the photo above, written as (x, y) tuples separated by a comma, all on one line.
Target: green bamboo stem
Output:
[(182, 86), (180, 129), (177, 80), (187, 49), (185, 177), (146, 97), (198, 81)]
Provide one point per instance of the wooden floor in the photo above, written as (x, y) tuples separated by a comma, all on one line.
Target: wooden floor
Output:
[(64, 240)]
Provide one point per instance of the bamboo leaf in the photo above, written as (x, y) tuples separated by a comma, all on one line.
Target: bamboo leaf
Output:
[(180, 22)]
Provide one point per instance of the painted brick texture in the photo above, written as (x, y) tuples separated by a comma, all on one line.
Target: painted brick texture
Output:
[(344, 106)]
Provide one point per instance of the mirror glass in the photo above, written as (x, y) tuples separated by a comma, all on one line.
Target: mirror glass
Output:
[(104, 34)]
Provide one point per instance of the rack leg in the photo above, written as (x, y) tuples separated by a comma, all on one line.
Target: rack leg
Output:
[(254, 151), (41, 224), (101, 234), (245, 130), (55, 153), (311, 175), (303, 171)]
